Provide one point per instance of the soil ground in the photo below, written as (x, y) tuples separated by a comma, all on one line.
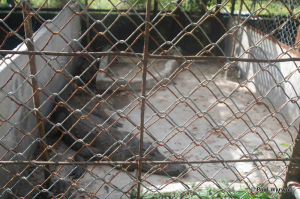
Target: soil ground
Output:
[(222, 129)]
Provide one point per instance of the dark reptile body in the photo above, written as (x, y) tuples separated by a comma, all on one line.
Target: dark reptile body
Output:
[(104, 142)]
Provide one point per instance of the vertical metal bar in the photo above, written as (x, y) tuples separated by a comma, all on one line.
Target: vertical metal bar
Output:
[(234, 39), (218, 6), (143, 94), (35, 86), (238, 20), (298, 35), (155, 8), (232, 7), (88, 37), (293, 170)]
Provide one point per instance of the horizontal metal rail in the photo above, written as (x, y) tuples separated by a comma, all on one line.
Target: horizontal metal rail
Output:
[(149, 162), (295, 188), (83, 54)]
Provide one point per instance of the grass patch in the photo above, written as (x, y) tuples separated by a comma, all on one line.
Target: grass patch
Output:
[(209, 193)]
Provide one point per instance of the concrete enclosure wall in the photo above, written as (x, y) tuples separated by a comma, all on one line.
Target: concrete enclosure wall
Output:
[(17, 122), (277, 83)]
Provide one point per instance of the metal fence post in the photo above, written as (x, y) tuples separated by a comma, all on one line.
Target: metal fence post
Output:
[(35, 89), (143, 95), (298, 35), (293, 171)]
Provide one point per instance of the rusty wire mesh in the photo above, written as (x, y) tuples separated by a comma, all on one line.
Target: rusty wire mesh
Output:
[(286, 26), (195, 92)]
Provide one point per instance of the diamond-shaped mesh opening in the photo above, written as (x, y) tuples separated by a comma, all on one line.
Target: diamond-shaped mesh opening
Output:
[(132, 99)]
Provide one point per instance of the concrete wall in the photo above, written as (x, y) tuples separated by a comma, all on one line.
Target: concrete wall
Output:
[(16, 121), (255, 44)]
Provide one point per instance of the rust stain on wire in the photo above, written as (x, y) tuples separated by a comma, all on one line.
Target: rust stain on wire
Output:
[(142, 130), (150, 56), (143, 96), (35, 90), (115, 163)]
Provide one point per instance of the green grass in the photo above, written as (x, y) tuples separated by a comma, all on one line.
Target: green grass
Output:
[(209, 193), (288, 150)]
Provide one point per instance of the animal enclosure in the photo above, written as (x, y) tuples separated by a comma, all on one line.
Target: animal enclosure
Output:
[(149, 99)]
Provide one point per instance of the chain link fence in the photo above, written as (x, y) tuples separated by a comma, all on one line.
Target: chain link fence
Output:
[(148, 99), (282, 20)]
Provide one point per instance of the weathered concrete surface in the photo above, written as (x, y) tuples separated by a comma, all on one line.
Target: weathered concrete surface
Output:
[(18, 120), (254, 44)]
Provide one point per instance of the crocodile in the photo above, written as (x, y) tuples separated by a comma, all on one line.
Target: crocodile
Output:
[(84, 133)]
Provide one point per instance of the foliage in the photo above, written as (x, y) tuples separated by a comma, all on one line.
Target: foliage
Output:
[(262, 7), (188, 5), (209, 193), (288, 150), (197, 5)]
